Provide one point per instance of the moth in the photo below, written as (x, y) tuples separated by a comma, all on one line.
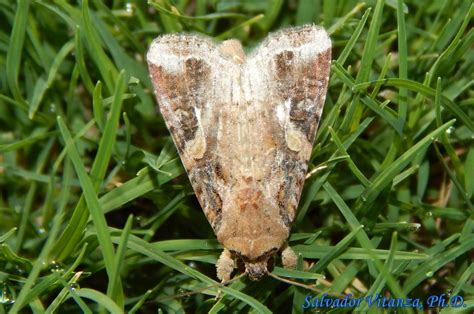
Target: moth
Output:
[(244, 128)]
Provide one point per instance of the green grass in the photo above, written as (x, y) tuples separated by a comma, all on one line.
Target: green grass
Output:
[(97, 215)]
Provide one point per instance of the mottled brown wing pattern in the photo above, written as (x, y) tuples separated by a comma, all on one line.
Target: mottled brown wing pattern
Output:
[(244, 129), (183, 70), (180, 74), (294, 72)]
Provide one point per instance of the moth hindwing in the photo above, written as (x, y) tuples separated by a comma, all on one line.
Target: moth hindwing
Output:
[(244, 128)]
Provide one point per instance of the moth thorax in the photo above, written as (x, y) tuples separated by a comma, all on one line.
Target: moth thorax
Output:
[(232, 48)]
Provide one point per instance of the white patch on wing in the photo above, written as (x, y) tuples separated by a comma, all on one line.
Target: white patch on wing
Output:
[(281, 113), (159, 54), (316, 41)]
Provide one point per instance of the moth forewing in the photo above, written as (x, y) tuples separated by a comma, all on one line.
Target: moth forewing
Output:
[(244, 128)]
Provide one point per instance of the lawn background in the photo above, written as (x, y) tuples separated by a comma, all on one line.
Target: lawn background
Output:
[(97, 214)]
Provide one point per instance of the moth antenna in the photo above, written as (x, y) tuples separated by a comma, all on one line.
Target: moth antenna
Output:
[(187, 294), (295, 283), (234, 279)]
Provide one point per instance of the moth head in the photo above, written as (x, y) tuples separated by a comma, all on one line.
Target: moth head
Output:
[(256, 270)]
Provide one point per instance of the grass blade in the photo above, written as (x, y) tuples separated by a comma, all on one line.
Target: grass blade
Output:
[(92, 202), (15, 47)]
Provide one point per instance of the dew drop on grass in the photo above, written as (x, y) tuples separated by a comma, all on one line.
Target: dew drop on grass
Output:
[(450, 130), (137, 221), (20, 270), (52, 108), (429, 214), (6, 296), (429, 274), (55, 267), (129, 8), (184, 294), (74, 286)]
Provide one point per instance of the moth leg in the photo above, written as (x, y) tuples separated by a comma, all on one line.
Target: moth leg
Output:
[(224, 266), (288, 257)]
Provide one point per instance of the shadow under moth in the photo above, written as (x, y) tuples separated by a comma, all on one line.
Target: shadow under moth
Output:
[(244, 127)]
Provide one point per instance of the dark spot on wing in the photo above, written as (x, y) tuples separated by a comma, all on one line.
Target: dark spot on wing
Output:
[(283, 63), (219, 172), (202, 180), (303, 83), (182, 93)]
